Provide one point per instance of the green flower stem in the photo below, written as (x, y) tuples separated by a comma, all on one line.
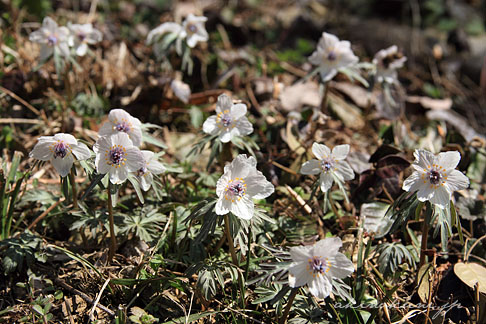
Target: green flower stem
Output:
[(231, 243), (112, 225), (425, 236), (286, 312), (74, 189), (234, 259), (324, 99)]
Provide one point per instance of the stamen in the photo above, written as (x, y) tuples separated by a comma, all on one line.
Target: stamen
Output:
[(60, 149), (117, 155), (142, 171), (123, 126), (327, 164), (331, 56), (235, 189), (318, 265), (434, 177), (52, 40)]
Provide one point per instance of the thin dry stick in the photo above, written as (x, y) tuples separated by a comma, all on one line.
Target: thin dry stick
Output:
[(25, 103), (112, 225), (83, 296), (91, 313), (45, 213), (285, 314), (73, 186)]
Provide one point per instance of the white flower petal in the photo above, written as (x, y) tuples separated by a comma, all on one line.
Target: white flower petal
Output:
[(42, 150), (81, 151), (135, 159), (223, 206), (456, 180), (301, 253), (320, 286), (341, 266), (107, 129), (258, 187), (441, 197), (118, 175), (326, 180), (298, 274), (424, 159), (224, 102), (321, 151), (243, 126), (425, 192), (413, 182), (311, 167), (136, 136), (243, 208), (210, 126), (340, 152), (82, 49), (344, 170), (116, 115), (222, 182), (241, 166), (67, 138), (237, 111), (156, 167), (327, 247), (63, 165), (225, 136), (327, 73), (449, 160), (145, 181)]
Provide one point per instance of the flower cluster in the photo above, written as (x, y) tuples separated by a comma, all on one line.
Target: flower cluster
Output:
[(117, 152), (60, 150), (56, 40), (332, 55), (329, 164), (387, 61), (239, 185), (230, 120), (192, 31), (317, 265), (435, 177)]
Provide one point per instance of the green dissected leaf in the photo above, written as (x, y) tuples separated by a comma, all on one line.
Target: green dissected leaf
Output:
[(20, 252), (391, 256), (444, 225)]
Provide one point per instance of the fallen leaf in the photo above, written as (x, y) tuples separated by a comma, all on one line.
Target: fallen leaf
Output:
[(471, 274), (300, 94)]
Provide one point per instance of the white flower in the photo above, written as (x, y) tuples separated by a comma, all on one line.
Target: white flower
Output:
[(116, 155), (82, 35), (52, 38), (193, 30), (316, 265), (121, 121), (387, 61), (332, 55), (374, 220), (166, 28), (230, 120), (181, 90), (151, 166), (239, 185), (435, 177), (330, 165), (59, 149)]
